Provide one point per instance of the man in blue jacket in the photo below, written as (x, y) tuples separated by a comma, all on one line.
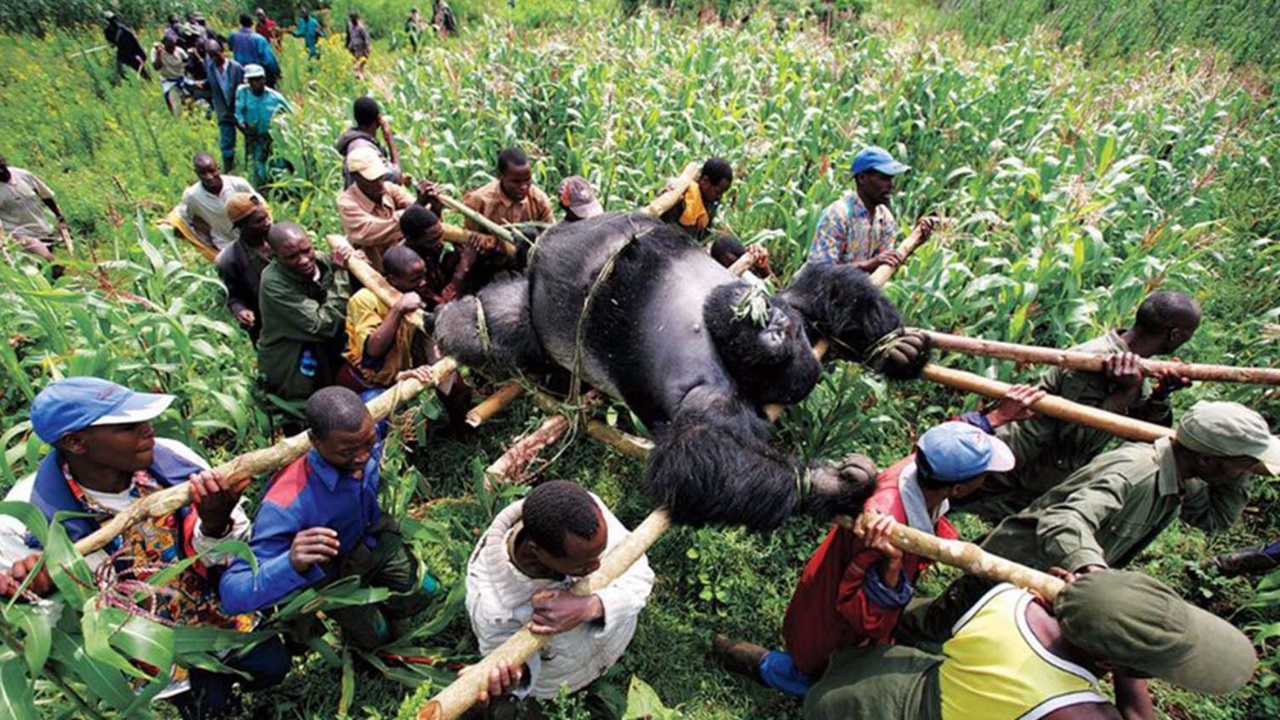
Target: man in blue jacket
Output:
[(105, 457), (225, 76), (250, 48), (321, 522)]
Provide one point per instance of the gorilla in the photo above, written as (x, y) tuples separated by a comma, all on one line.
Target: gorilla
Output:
[(637, 309)]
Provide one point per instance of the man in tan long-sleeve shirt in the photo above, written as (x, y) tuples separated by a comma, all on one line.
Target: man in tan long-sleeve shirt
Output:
[(512, 198), (371, 207)]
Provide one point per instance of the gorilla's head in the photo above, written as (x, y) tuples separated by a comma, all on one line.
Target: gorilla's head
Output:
[(762, 343)]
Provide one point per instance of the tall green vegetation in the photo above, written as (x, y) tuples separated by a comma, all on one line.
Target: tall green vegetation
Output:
[(1073, 191), (1245, 29)]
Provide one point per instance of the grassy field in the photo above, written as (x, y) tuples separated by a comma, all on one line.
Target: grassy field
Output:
[(1074, 190)]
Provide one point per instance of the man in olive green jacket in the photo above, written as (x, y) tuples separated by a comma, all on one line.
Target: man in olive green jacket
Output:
[(1109, 511), (303, 300), (1047, 450)]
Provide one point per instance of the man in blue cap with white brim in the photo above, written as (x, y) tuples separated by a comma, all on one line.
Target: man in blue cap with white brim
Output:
[(859, 229), (105, 456), (855, 586)]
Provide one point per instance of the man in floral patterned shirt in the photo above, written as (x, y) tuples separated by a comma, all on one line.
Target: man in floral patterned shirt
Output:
[(859, 229)]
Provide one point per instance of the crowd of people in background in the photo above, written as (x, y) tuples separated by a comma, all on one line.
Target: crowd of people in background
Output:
[(1060, 501)]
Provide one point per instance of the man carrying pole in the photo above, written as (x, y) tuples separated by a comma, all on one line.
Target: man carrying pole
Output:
[(1048, 449), (1110, 510), (105, 457)]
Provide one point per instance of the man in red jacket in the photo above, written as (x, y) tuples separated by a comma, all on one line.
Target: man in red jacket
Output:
[(853, 589)]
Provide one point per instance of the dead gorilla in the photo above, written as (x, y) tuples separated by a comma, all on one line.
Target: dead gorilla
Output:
[(665, 332)]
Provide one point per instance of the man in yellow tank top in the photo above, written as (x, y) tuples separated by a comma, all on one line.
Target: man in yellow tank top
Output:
[(1013, 658)]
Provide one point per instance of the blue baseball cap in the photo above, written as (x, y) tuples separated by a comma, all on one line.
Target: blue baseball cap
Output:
[(956, 452), (73, 404), (878, 159)]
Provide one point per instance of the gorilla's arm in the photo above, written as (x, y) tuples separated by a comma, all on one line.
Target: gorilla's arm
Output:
[(839, 302), (492, 329), (712, 465)]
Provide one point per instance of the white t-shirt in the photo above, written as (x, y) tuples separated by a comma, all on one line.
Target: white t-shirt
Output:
[(212, 210)]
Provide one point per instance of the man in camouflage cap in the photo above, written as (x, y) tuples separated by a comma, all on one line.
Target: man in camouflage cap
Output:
[(1014, 656)]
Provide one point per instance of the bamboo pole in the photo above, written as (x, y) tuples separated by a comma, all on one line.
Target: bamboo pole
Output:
[(455, 235), (494, 404), (672, 195), (629, 445), (376, 283), (511, 465), (1051, 405), (1090, 362), (459, 696), (243, 468), (742, 265), (66, 238), (490, 226), (965, 556)]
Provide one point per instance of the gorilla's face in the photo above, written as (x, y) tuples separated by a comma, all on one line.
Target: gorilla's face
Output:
[(767, 355)]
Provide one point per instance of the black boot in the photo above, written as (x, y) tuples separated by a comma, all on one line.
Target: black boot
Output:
[(739, 656), (1250, 561)]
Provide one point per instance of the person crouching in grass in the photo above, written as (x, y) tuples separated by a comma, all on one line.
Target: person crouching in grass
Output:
[(320, 522)]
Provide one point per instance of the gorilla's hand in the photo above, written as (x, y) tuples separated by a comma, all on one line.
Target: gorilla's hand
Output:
[(840, 488), (906, 357)]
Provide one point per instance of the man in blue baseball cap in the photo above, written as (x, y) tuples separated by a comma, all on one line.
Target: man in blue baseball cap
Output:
[(854, 588), (859, 229), (105, 457)]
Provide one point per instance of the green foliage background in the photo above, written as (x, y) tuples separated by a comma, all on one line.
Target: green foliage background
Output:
[(1075, 189)]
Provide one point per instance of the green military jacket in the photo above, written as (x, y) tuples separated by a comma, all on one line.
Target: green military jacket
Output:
[(1110, 510), (298, 313), (1048, 450)]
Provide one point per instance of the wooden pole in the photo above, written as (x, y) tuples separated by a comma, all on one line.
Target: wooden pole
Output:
[(511, 466), (629, 445), (494, 404), (243, 468), (66, 238), (672, 195), (1090, 362), (492, 227), (1051, 405), (459, 696), (376, 283), (742, 265), (455, 235), (966, 556)]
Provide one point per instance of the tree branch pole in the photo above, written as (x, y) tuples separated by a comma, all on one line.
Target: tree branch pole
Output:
[(494, 404), (374, 280), (490, 226), (243, 468), (674, 191), (455, 235), (460, 695), (965, 556), (1090, 362)]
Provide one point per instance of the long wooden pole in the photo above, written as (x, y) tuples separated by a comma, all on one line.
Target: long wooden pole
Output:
[(669, 197), (376, 283), (242, 468), (1090, 362), (494, 404), (459, 696), (966, 556), (1051, 405), (455, 235), (490, 226)]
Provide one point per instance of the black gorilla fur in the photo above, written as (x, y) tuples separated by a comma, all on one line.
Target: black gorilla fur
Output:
[(664, 334)]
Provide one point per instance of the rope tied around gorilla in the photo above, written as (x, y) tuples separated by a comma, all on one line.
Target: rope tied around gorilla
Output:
[(579, 340), (878, 354)]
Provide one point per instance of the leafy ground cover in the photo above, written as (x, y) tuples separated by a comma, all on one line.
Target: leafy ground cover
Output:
[(1074, 190)]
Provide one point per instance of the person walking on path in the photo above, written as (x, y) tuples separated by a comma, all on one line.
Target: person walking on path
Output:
[(256, 106), (309, 30), (358, 42), (225, 78)]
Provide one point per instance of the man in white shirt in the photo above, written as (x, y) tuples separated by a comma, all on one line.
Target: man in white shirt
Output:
[(520, 573), (203, 208), (23, 200)]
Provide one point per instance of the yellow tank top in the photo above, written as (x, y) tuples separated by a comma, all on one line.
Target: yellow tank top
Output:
[(996, 669)]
